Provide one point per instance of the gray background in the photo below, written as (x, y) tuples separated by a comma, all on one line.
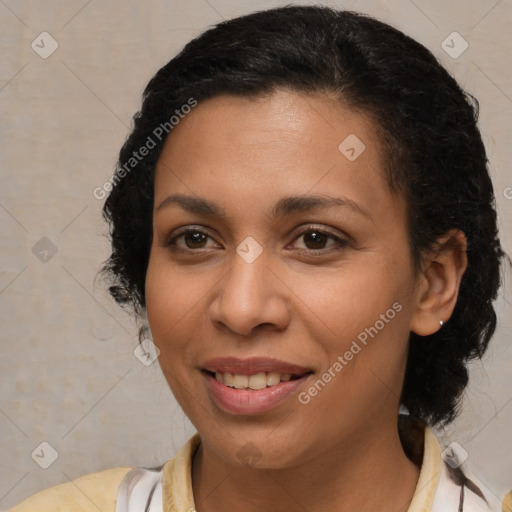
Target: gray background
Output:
[(68, 373)]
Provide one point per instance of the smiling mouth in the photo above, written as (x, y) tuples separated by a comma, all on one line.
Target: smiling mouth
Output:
[(254, 382)]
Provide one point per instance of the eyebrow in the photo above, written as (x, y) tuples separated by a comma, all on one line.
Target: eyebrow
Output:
[(285, 206)]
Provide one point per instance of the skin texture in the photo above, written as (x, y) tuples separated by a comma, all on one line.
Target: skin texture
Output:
[(203, 300)]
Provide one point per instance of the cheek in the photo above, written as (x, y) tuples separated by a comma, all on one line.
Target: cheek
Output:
[(166, 306), (361, 313), (176, 299), (352, 297), (158, 294), (172, 293), (170, 312)]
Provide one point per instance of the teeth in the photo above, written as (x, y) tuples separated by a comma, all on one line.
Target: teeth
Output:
[(228, 378), (240, 381), (273, 378), (256, 381)]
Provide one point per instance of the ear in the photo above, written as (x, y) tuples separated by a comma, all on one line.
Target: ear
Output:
[(439, 282)]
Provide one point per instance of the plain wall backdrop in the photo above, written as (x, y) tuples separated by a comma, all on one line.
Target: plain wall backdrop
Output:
[(68, 374)]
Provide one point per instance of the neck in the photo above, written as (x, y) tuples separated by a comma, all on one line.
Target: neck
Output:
[(358, 475)]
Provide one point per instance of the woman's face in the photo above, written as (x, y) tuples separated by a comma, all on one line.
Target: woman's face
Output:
[(298, 254)]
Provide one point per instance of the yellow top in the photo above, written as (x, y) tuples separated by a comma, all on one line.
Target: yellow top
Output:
[(93, 492), (507, 502), (98, 491), (177, 484)]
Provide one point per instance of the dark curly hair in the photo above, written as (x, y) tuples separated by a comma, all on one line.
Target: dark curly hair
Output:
[(427, 124)]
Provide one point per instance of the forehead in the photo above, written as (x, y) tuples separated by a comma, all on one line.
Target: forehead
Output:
[(255, 149)]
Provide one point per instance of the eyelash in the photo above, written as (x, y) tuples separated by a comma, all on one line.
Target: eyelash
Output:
[(341, 243)]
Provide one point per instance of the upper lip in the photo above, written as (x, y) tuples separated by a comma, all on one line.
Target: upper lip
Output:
[(252, 366)]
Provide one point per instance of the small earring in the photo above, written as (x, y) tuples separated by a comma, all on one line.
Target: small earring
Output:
[(441, 323)]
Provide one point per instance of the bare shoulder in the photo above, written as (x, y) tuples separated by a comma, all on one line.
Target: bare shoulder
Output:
[(92, 492)]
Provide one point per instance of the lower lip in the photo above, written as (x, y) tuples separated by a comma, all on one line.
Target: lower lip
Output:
[(241, 401)]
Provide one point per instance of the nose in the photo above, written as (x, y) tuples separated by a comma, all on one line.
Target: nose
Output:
[(250, 297)]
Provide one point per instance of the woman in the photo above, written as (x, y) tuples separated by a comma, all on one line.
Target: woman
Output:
[(304, 215)]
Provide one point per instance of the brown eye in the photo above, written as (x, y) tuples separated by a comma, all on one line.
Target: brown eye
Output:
[(315, 239), (194, 239), (318, 242)]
